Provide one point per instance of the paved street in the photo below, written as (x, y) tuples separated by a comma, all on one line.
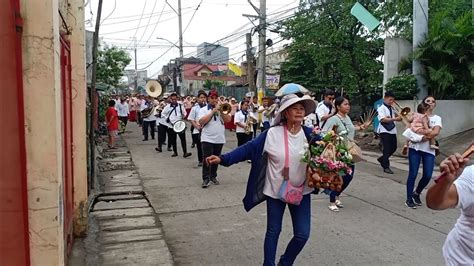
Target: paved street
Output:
[(210, 226)]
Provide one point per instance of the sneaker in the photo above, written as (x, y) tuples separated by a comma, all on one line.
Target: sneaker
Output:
[(405, 150), (169, 149), (388, 171), (410, 204), (205, 184), (339, 204), (174, 155), (158, 149), (186, 155), (214, 181), (333, 207), (249, 161), (416, 199), (200, 164), (144, 139)]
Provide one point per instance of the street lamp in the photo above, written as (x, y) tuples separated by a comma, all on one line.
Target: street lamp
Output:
[(172, 43)]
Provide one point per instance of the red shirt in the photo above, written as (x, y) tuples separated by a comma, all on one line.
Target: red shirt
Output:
[(111, 116)]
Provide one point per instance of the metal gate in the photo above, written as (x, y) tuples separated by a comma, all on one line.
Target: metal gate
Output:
[(67, 130), (14, 238)]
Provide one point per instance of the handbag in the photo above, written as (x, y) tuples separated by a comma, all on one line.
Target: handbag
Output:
[(289, 193), (353, 148)]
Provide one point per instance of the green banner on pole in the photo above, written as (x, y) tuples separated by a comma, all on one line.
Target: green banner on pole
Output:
[(364, 16)]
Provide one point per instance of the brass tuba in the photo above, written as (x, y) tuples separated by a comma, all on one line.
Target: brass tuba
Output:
[(225, 108), (248, 125), (153, 88)]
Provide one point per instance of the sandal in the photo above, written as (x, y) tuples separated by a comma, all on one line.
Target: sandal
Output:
[(333, 207)]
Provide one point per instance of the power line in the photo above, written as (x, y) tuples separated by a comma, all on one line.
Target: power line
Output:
[(154, 28), (191, 19), (144, 31), (139, 22)]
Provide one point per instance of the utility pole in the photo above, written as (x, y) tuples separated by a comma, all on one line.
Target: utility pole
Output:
[(250, 60), (179, 63), (136, 64), (420, 31), (94, 104), (261, 80)]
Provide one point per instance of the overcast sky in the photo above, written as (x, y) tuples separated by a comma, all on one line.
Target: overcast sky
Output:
[(123, 20)]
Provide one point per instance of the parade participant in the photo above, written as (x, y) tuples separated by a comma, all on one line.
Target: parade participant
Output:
[(269, 143), (326, 108), (422, 151), (212, 136), (387, 130), (241, 122), (265, 114), (140, 102), (147, 109), (419, 124), (111, 118), (346, 129), (253, 109), (174, 112), (194, 118), (162, 125), (234, 108), (134, 108), (123, 112), (187, 105), (456, 190)]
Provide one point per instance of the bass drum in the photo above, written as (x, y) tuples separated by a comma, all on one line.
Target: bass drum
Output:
[(179, 126)]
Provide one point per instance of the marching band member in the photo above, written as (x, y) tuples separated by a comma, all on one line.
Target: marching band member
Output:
[(265, 114), (241, 121), (148, 117), (325, 108), (387, 130), (162, 125), (253, 108), (193, 117), (174, 112), (212, 136)]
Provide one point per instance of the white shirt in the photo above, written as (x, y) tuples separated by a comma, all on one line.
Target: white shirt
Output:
[(323, 110), (383, 112), (240, 118), (274, 146), (214, 130), (150, 118), (310, 120), (193, 116), (174, 113), (122, 109), (424, 146), (458, 248)]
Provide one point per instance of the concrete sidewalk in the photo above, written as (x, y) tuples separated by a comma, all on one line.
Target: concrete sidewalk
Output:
[(123, 228), (210, 226)]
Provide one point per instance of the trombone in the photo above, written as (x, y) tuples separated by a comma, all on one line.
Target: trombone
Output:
[(225, 108), (402, 111)]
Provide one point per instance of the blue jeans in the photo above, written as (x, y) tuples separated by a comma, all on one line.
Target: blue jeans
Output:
[(301, 219), (414, 159), (346, 180)]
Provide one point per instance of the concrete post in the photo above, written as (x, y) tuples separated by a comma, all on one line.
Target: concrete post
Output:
[(42, 99), (420, 31), (79, 87)]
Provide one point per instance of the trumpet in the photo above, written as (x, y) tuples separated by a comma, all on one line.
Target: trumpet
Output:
[(225, 108), (248, 125)]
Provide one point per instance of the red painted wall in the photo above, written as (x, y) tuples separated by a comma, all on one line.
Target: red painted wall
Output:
[(14, 240)]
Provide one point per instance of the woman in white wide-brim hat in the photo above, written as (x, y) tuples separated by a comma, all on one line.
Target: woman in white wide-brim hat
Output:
[(267, 153)]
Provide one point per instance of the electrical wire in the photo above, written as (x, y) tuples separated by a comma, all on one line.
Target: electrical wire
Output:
[(147, 24), (115, 6), (191, 19), (134, 38), (154, 28)]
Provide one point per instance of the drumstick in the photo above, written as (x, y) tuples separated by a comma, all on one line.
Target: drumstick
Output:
[(469, 151)]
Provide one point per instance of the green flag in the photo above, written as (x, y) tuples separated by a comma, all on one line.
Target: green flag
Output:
[(364, 16)]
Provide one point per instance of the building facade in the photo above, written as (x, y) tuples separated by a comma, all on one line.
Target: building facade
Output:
[(43, 185), (212, 53)]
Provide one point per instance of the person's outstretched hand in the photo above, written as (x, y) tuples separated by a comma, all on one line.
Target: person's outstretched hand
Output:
[(213, 159), (452, 166)]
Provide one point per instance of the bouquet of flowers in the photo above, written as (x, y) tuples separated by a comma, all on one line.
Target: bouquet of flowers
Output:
[(329, 160)]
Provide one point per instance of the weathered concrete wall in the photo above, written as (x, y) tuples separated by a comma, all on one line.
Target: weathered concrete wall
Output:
[(41, 79), (395, 49), (79, 88), (457, 116)]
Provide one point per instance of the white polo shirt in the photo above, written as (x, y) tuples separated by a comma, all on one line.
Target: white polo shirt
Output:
[(240, 118), (193, 116), (122, 109), (322, 110), (214, 130), (150, 118), (175, 113), (383, 112)]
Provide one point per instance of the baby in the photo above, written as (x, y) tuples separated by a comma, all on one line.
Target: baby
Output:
[(420, 125)]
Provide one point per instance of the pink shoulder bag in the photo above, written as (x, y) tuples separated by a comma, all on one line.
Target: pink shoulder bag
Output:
[(289, 193)]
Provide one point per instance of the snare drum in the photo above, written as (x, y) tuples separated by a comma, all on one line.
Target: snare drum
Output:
[(179, 126)]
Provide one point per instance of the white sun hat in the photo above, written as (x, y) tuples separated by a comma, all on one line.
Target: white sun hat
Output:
[(290, 99)]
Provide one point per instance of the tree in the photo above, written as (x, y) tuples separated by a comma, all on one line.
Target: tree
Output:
[(448, 52), (209, 84), (111, 63)]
